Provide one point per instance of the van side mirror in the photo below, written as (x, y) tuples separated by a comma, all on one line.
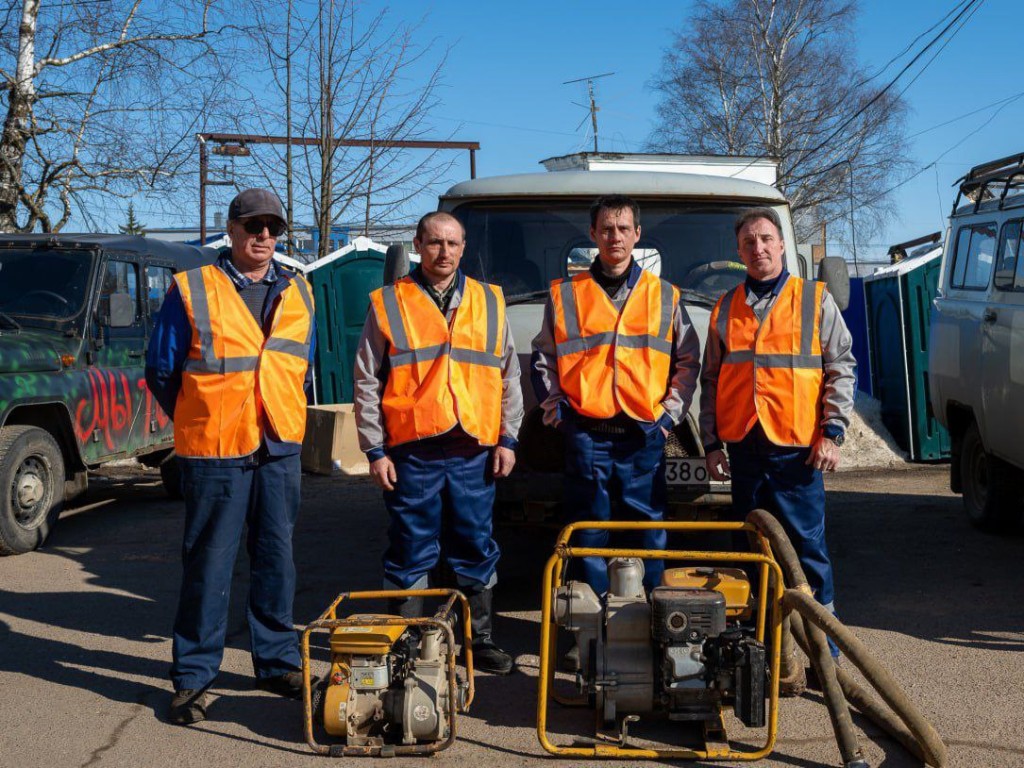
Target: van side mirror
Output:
[(833, 272), (396, 264), (803, 262), (122, 310)]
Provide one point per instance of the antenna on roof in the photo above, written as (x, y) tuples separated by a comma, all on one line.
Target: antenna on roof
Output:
[(593, 106)]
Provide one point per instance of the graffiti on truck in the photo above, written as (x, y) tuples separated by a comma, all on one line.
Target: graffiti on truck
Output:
[(111, 406)]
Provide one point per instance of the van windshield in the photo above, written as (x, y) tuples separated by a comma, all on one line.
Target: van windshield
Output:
[(43, 282), (522, 246)]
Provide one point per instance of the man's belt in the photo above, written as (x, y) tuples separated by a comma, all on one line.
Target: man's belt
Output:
[(619, 424)]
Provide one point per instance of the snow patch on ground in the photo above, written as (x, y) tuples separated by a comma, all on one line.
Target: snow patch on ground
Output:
[(868, 443)]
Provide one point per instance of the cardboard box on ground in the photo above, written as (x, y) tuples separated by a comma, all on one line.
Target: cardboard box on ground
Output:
[(331, 446)]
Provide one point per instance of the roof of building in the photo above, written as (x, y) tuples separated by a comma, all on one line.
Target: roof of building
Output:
[(357, 244)]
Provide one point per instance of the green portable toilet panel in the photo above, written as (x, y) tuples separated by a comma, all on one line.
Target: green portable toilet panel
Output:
[(898, 300), (342, 283)]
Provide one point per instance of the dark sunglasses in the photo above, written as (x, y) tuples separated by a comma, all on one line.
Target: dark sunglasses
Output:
[(275, 227)]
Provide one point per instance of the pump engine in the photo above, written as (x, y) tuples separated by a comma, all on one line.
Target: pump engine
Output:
[(388, 685), (683, 652)]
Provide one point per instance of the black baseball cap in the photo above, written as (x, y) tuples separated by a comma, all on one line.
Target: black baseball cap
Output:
[(255, 202)]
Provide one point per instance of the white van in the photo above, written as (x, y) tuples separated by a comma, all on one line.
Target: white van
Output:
[(524, 231), (976, 344)]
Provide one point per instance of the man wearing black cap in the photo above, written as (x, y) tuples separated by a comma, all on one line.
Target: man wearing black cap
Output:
[(230, 360)]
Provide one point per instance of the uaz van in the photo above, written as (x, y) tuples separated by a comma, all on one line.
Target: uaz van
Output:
[(76, 312), (976, 345), (524, 231)]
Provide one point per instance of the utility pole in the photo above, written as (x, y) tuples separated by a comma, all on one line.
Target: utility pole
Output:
[(593, 104)]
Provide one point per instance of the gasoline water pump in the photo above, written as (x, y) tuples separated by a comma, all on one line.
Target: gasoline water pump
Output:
[(392, 687), (683, 652), (696, 651), (702, 648)]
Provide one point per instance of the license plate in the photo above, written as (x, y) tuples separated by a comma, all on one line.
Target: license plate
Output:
[(686, 471)]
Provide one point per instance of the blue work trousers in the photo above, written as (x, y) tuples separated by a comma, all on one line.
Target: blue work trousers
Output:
[(444, 493), (624, 472), (778, 479), (219, 502)]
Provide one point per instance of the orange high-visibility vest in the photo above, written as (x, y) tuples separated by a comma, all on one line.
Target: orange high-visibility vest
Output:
[(771, 371), (611, 362), (235, 382), (441, 376)]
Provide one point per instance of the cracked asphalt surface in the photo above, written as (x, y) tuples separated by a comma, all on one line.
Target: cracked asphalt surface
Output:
[(85, 625)]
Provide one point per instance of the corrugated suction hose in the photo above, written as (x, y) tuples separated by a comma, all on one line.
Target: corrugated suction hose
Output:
[(809, 623)]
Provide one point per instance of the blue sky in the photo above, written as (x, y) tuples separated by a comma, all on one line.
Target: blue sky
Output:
[(503, 85)]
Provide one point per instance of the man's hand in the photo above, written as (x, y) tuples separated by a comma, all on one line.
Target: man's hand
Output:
[(824, 455), (718, 465), (503, 460), (383, 473)]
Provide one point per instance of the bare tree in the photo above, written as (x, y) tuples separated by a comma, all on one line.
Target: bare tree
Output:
[(102, 97), (341, 75), (779, 78)]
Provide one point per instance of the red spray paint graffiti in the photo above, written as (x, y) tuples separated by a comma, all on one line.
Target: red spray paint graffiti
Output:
[(109, 408), (153, 410)]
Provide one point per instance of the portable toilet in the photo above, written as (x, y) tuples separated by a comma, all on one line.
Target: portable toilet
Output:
[(855, 317), (898, 300), (342, 282)]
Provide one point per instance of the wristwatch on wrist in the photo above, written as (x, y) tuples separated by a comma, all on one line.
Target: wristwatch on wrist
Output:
[(838, 439)]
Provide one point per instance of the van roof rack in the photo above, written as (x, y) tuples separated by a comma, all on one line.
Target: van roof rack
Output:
[(982, 182)]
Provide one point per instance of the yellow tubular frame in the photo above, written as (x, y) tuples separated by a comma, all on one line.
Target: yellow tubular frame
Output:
[(328, 620), (553, 579)]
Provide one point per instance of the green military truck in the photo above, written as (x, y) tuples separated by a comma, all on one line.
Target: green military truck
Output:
[(76, 312)]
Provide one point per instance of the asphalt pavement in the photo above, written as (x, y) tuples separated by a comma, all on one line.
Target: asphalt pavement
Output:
[(85, 625)]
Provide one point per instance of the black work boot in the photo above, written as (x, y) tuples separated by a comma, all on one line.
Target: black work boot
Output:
[(288, 684), (188, 706), (487, 656)]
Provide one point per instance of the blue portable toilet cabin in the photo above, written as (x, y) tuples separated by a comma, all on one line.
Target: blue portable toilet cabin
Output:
[(342, 282), (855, 316), (898, 300)]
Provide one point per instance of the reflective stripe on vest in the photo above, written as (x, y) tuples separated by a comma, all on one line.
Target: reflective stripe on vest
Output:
[(235, 381), (771, 370), (610, 361), (441, 376)]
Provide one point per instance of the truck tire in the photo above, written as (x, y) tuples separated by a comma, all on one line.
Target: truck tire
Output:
[(170, 474), (32, 485), (992, 489)]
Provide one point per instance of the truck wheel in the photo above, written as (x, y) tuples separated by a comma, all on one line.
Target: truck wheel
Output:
[(32, 485), (170, 474), (993, 490)]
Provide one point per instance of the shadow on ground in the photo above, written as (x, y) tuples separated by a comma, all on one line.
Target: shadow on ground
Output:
[(904, 563)]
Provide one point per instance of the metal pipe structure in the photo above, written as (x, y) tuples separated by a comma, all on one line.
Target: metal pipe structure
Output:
[(303, 141), (202, 190)]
